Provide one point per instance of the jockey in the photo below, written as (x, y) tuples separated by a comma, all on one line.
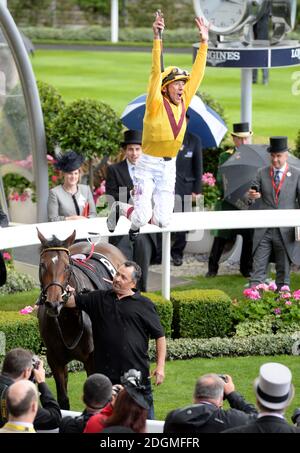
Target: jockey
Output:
[(169, 95)]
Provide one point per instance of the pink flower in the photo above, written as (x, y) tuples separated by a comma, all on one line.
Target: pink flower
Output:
[(262, 286), (286, 295), (251, 293), (24, 196), (285, 288), (277, 311), (6, 256), (54, 178), (209, 179), (26, 311), (288, 302), (296, 294), (272, 286), (14, 196)]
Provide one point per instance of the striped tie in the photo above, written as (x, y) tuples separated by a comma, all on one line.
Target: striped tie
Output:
[(277, 177)]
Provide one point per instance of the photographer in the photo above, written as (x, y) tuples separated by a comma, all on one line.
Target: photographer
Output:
[(97, 394), (207, 415), (19, 364)]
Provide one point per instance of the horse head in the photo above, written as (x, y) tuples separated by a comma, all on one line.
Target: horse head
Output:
[(54, 271)]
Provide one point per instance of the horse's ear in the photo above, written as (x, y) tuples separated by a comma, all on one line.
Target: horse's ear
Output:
[(69, 241), (41, 237)]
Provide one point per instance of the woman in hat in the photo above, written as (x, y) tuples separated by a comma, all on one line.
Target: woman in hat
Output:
[(70, 200)]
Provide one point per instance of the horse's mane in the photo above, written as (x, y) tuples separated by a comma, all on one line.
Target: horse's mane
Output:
[(53, 242)]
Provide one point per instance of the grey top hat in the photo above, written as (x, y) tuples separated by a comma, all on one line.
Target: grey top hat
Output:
[(132, 137), (241, 130), (278, 144), (69, 161), (273, 387)]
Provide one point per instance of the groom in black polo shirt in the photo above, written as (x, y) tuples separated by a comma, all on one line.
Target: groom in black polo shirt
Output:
[(123, 321)]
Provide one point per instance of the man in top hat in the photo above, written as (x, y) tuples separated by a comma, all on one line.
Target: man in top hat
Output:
[(169, 95), (274, 391), (241, 135), (278, 187), (119, 187)]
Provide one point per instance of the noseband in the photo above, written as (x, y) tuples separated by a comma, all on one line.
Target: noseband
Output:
[(65, 294)]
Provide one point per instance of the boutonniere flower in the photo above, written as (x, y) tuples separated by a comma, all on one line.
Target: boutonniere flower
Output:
[(289, 173)]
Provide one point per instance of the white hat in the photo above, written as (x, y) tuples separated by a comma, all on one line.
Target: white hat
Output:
[(274, 387)]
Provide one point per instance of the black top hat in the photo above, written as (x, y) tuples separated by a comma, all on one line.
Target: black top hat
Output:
[(137, 395), (278, 145), (241, 130), (132, 138), (69, 161)]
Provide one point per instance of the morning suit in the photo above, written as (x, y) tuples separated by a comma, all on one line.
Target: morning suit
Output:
[(282, 240), (189, 169), (3, 274), (118, 185), (265, 424), (61, 203), (225, 237)]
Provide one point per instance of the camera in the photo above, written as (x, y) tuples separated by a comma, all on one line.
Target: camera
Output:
[(132, 377), (222, 376), (296, 417), (254, 187), (35, 362)]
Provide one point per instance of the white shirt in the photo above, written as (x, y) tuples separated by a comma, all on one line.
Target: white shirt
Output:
[(131, 169), (281, 171)]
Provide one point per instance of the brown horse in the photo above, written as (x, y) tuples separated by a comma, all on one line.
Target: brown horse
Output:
[(67, 332)]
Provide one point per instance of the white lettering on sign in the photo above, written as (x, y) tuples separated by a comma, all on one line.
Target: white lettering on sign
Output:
[(295, 53), (215, 57)]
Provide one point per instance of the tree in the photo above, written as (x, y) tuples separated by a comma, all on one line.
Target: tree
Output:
[(90, 128)]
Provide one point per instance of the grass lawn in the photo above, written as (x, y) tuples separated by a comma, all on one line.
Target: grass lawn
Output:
[(181, 376), (118, 77)]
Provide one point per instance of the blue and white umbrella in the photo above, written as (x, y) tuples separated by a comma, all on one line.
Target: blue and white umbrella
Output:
[(204, 121)]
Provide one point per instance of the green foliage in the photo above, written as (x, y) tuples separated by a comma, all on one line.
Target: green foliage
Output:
[(89, 127), (20, 331), (15, 183), (17, 282), (165, 311), (264, 326), (52, 104), (93, 7), (140, 12), (201, 313), (282, 308), (296, 151), (188, 348)]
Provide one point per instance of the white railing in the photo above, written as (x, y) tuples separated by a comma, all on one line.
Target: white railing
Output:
[(22, 235), (152, 426)]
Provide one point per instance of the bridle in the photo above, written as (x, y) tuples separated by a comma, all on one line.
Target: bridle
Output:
[(65, 296), (65, 293)]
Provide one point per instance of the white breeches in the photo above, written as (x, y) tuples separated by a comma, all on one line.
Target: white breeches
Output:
[(154, 181)]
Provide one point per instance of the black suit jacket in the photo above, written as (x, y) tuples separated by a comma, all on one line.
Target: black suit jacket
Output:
[(266, 424), (3, 274), (189, 166), (118, 176)]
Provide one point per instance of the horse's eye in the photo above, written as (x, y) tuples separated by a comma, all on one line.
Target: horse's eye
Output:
[(43, 266)]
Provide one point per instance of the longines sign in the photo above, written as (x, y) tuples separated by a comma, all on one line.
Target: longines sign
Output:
[(249, 57)]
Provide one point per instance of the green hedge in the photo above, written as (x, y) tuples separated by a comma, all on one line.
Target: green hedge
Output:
[(20, 331), (164, 309), (260, 345), (201, 313), (98, 33)]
